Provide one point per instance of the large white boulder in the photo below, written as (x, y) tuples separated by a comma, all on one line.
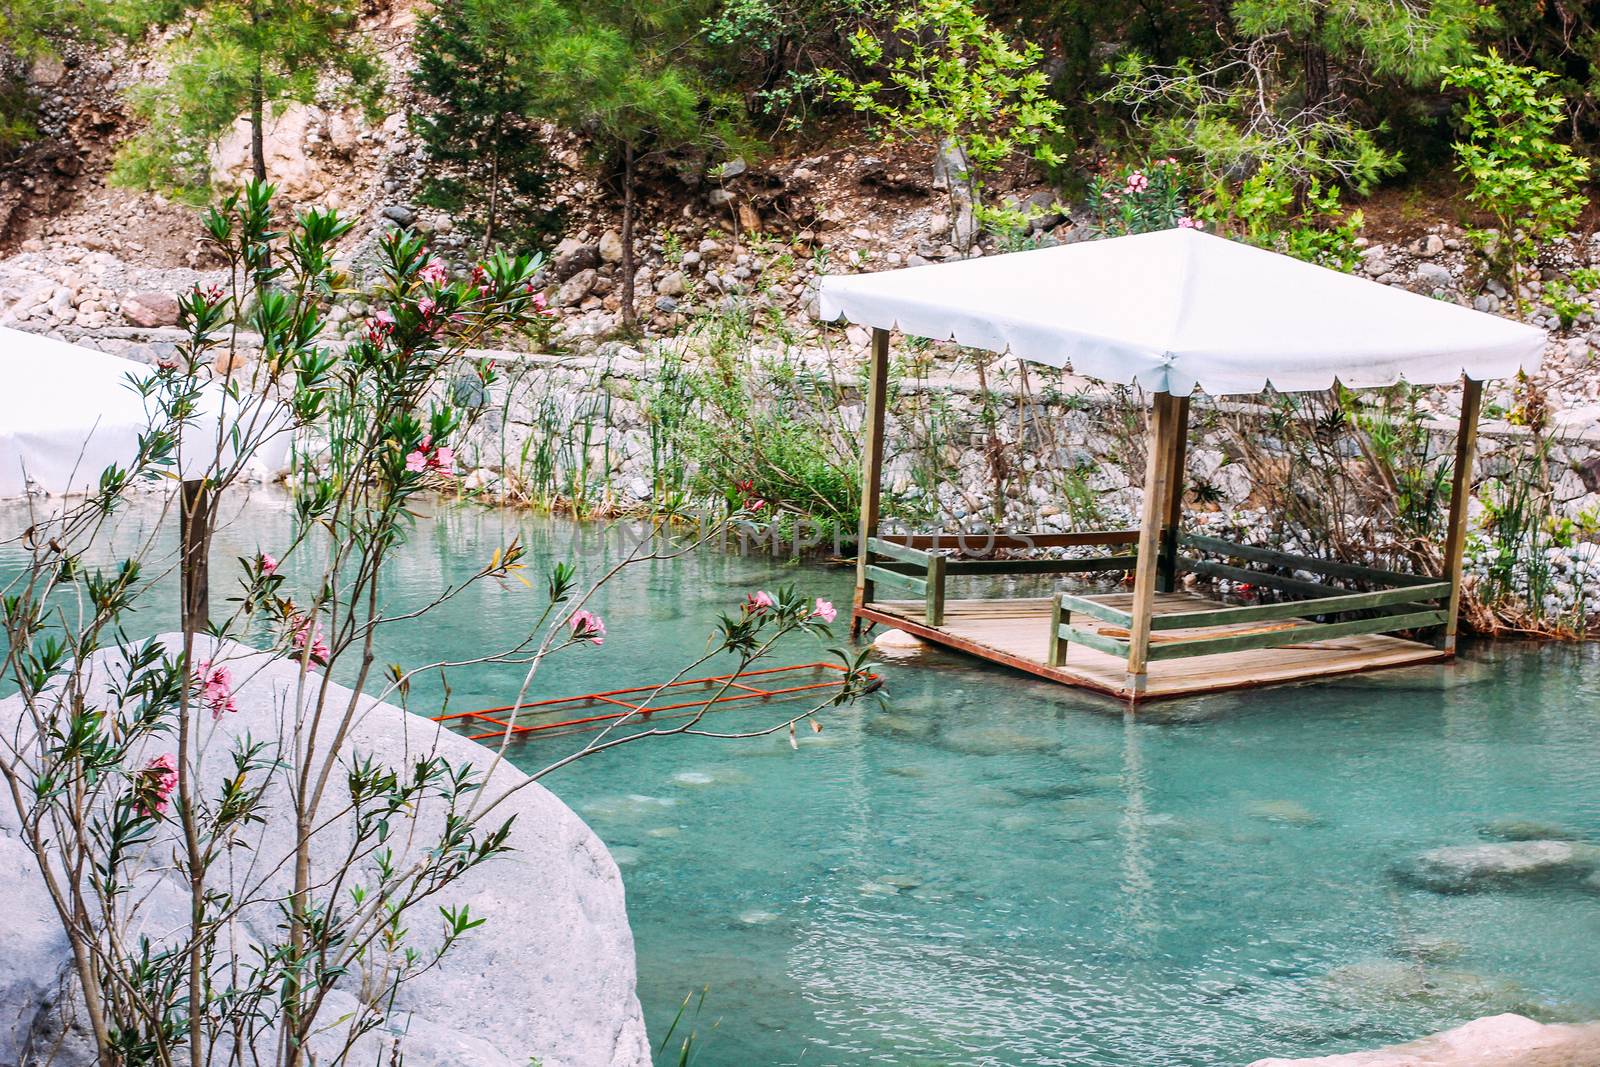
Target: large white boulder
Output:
[(549, 977), (1497, 1041)]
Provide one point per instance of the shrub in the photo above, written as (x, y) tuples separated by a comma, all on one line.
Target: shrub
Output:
[(1517, 172)]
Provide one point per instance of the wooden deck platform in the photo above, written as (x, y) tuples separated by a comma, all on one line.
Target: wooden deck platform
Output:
[(1016, 633)]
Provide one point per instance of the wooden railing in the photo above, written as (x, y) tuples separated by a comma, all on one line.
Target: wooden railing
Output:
[(922, 562), (1401, 603)]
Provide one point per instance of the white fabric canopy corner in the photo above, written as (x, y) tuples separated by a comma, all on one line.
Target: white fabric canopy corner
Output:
[(67, 413), (1176, 309)]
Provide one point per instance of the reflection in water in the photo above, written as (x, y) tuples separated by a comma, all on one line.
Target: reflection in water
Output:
[(1137, 889)]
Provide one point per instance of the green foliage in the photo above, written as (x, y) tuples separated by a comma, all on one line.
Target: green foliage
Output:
[(1311, 224), (949, 77), (1518, 173), (229, 59), (1407, 43), (779, 48), (487, 164), (1215, 116), (1567, 302), (30, 31), (1150, 196)]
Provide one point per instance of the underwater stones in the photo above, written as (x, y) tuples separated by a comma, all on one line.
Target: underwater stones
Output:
[(903, 727), (993, 739), (692, 778), (1502, 864), (1288, 812), (900, 881), (757, 917), (1518, 829), (1506, 1040), (1382, 983)]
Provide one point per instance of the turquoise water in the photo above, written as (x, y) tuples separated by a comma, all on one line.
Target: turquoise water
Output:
[(974, 868)]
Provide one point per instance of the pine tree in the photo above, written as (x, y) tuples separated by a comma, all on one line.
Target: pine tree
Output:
[(631, 73), (488, 166), (233, 58)]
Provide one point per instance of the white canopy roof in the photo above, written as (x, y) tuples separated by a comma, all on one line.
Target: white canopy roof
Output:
[(1180, 308), (66, 413)]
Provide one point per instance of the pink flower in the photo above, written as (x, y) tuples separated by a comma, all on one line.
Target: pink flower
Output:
[(587, 626), (269, 566), (541, 306), (425, 306), (758, 602), (216, 688), (435, 273), (425, 457), (1186, 223), (825, 611), (1137, 183), (167, 361), (380, 326), (303, 629), (154, 784)]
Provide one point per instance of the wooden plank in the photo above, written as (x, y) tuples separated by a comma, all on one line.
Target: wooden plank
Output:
[(1041, 566), (1317, 631), (884, 547), (871, 466), (1297, 608), (1095, 609), (1325, 567), (1208, 569), (884, 574), (1167, 575), (978, 544), (935, 587), (1094, 639), (1460, 487), (1163, 421)]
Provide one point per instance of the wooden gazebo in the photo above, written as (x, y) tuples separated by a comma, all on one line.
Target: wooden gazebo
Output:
[(1175, 312)]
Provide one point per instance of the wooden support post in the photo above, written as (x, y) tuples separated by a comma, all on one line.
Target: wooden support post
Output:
[(871, 467), (1460, 489), (1059, 617), (933, 609), (1167, 577), (196, 502), (1158, 468)]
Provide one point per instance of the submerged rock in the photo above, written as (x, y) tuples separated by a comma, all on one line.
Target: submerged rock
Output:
[(1380, 984), (1519, 829), (898, 644), (1506, 1040), (556, 936), (1503, 864), (997, 740), (1289, 812)]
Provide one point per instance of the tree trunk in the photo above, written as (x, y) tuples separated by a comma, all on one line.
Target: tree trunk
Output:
[(629, 319), (495, 134), (258, 152)]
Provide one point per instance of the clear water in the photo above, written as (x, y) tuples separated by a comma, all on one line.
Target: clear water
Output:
[(976, 868)]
